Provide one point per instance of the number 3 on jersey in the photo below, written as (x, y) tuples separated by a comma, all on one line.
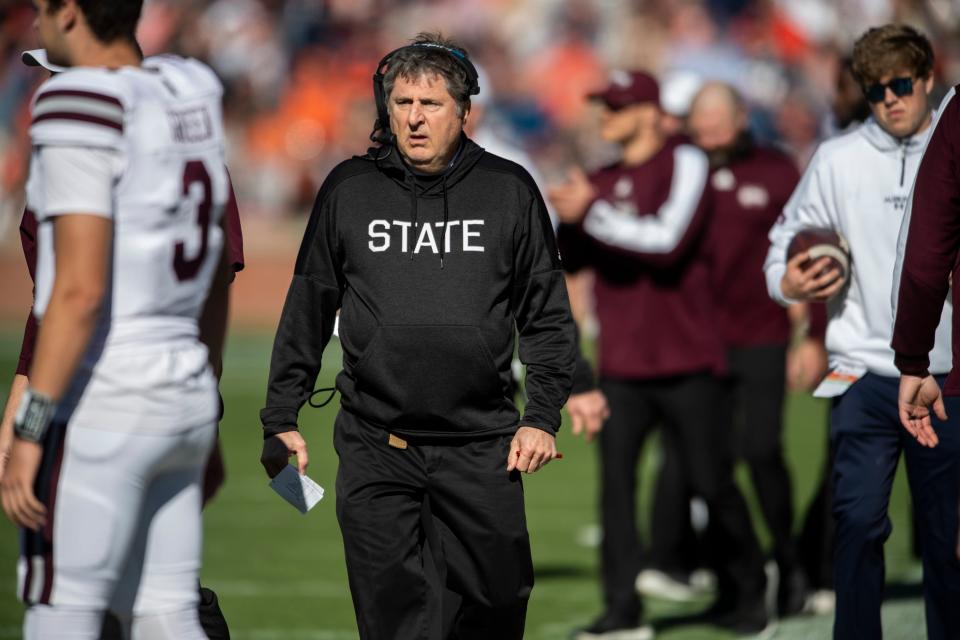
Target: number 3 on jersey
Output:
[(195, 173)]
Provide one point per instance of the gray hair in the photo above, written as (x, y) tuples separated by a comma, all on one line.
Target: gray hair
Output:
[(415, 62)]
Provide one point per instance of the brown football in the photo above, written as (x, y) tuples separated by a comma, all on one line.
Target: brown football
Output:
[(821, 242)]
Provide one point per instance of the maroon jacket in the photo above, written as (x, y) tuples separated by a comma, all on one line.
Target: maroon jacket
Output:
[(28, 239), (931, 257), (749, 194), (643, 236)]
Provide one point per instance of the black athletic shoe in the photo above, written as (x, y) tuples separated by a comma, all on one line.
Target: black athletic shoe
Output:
[(744, 619), (211, 617), (611, 626), (792, 594)]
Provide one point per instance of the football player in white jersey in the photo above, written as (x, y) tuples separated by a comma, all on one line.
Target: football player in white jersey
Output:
[(128, 184)]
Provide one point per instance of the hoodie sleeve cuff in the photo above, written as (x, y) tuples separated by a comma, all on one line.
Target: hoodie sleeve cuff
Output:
[(278, 420), (583, 380), (538, 420), (912, 365), (542, 427)]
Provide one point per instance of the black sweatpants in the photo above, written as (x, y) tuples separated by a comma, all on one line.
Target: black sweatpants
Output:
[(687, 407), (405, 560), (753, 402)]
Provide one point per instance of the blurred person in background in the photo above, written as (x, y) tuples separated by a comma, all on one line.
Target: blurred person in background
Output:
[(641, 224), (439, 255), (751, 184), (848, 108), (858, 185), (211, 617)]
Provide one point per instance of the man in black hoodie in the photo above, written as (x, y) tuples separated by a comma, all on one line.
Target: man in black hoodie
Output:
[(438, 255)]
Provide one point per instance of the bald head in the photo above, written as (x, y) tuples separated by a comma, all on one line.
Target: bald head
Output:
[(717, 116)]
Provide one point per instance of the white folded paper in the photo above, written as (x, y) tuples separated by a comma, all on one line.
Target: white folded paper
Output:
[(299, 490)]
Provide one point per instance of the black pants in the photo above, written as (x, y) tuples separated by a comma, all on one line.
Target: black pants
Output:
[(815, 545), (687, 408), (405, 560), (753, 402)]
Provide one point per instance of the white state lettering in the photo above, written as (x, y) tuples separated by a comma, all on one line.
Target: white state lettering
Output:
[(382, 235), (403, 236), (467, 234), (426, 232), (449, 235)]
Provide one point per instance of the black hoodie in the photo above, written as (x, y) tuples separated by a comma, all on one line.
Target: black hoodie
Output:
[(434, 279)]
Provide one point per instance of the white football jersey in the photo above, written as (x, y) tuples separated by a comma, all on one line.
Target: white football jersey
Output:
[(161, 125)]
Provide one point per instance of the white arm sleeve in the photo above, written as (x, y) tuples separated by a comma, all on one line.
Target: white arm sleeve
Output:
[(660, 233), (809, 206), (77, 180)]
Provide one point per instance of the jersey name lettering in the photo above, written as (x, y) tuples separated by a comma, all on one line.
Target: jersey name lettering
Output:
[(402, 236), (192, 125)]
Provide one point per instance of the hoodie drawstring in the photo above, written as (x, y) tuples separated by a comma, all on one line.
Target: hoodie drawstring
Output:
[(416, 208), (446, 219), (903, 160)]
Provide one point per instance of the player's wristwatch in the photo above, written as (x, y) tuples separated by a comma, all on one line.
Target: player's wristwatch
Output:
[(33, 416)]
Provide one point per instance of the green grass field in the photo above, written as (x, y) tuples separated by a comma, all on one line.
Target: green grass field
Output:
[(280, 575)]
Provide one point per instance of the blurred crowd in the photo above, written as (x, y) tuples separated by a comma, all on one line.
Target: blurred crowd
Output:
[(298, 72)]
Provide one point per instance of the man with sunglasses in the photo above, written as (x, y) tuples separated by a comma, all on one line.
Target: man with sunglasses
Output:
[(859, 185)]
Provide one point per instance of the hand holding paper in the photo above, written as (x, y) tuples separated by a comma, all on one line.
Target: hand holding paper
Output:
[(299, 490)]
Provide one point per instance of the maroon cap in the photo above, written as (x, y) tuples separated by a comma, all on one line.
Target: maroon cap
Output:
[(627, 88)]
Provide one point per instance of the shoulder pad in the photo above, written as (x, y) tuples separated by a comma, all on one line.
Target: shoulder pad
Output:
[(190, 76)]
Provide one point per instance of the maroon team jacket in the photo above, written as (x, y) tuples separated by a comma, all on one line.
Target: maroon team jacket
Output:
[(930, 262), (749, 192), (28, 239), (644, 237)]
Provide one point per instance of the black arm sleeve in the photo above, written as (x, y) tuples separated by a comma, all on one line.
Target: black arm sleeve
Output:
[(548, 344), (306, 323)]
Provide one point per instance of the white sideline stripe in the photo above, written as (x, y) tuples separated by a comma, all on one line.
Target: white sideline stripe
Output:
[(660, 233)]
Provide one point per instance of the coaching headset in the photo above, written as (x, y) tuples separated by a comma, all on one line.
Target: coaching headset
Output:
[(381, 128)]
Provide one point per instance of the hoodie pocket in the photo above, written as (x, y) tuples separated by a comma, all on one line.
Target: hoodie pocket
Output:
[(429, 378)]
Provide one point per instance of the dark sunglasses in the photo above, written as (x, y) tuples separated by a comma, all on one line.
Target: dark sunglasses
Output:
[(899, 86)]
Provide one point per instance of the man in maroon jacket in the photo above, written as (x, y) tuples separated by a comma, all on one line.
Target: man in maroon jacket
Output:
[(751, 184), (211, 618), (640, 225)]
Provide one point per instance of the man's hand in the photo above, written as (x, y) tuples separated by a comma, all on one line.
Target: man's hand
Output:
[(531, 449), (17, 387), (278, 449), (806, 365), (19, 502), (916, 397), (571, 199), (588, 410), (816, 283)]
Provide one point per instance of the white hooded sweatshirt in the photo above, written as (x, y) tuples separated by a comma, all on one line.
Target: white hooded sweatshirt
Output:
[(858, 184)]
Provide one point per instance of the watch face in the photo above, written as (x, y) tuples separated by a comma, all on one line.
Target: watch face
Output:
[(33, 416)]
